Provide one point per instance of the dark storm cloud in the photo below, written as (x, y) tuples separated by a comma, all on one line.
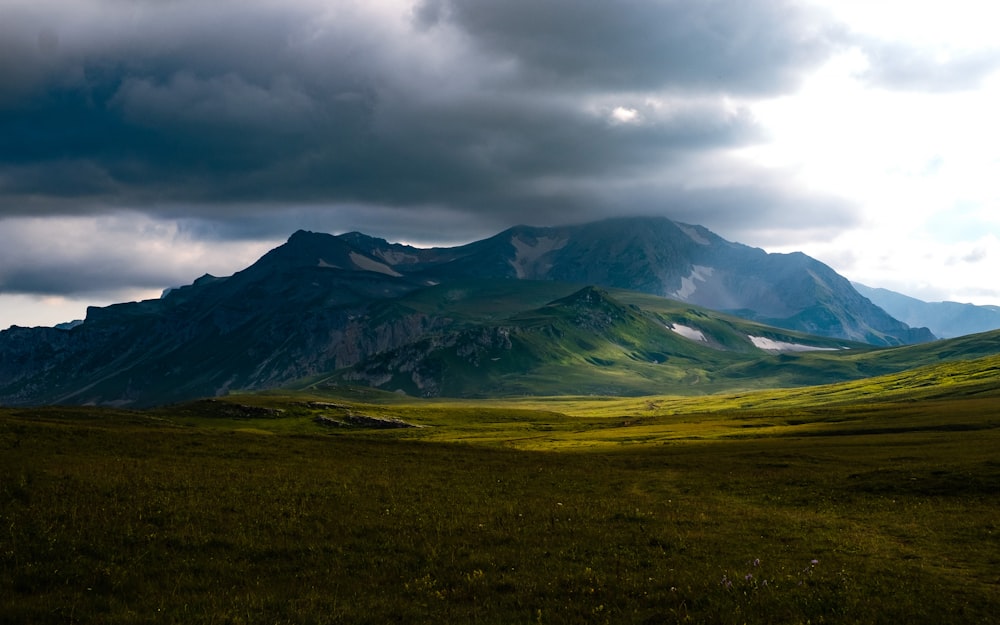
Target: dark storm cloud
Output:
[(750, 47), (176, 102), (228, 107), (766, 213), (61, 259), (114, 255), (433, 122), (107, 275)]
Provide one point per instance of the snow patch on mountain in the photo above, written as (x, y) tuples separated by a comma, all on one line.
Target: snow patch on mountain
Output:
[(395, 257), (694, 235), (369, 264), (326, 265), (688, 332), (699, 273), (528, 254), (770, 345)]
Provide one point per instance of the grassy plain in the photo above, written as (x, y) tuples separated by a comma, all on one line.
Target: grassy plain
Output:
[(876, 501)]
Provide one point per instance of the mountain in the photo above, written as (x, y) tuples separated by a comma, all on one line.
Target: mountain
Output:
[(669, 259), (323, 306), (944, 319), (303, 308)]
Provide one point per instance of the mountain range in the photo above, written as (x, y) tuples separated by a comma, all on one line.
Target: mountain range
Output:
[(944, 319), (624, 306), (661, 257)]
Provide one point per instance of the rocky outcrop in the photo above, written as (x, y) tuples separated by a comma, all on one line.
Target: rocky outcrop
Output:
[(363, 422)]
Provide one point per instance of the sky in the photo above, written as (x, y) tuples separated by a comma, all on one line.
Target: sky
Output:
[(144, 143)]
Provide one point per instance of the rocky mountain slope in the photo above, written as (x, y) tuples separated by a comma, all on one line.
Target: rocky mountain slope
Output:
[(662, 257), (321, 303)]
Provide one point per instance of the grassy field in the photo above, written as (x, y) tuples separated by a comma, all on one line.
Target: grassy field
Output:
[(871, 502)]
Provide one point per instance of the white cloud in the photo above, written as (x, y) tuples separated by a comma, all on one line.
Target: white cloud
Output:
[(624, 115), (914, 262), (956, 22), (920, 165)]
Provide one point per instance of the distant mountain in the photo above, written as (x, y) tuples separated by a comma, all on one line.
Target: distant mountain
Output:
[(944, 319), (353, 307)]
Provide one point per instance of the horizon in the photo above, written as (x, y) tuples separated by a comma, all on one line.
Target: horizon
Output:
[(154, 294), (859, 133)]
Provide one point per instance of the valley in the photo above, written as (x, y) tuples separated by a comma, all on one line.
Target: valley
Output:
[(871, 501)]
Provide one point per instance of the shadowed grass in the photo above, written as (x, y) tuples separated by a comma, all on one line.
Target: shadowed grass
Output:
[(850, 505)]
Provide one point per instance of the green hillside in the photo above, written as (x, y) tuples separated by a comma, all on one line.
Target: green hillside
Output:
[(506, 338)]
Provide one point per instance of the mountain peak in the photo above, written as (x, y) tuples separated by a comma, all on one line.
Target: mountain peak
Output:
[(303, 249), (588, 296), (299, 236), (360, 238), (590, 307)]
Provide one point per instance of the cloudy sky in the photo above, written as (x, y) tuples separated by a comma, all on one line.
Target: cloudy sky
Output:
[(146, 142)]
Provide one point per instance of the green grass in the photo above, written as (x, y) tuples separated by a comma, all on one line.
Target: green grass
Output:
[(867, 502)]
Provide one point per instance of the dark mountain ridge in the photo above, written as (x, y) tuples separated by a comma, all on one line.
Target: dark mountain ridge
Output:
[(321, 303), (669, 259)]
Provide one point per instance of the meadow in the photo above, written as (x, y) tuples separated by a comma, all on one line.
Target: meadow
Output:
[(872, 503)]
